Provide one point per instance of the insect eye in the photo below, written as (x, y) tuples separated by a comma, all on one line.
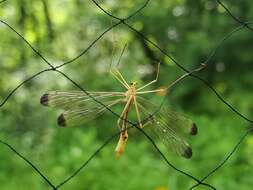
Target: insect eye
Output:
[(131, 83)]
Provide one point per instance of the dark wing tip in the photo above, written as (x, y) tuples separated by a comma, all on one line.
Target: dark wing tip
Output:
[(61, 121), (194, 129), (44, 99), (187, 153)]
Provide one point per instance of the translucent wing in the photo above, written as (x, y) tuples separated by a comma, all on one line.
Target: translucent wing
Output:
[(67, 100), (80, 107), (171, 128)]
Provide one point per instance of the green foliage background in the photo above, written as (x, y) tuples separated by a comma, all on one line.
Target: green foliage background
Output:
[(187, 30)]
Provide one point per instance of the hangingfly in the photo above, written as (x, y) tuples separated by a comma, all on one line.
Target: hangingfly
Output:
[(170, 127)]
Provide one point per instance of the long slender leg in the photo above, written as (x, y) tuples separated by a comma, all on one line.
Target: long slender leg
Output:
[(120, 79), (150, 91), (123, 112), (115, 72), (121, 76), (174, 82), (137, 112), (121, 54), (153, 81), (149, 120)]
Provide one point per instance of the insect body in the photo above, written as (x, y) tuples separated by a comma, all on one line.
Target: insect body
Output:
[(169, 127)]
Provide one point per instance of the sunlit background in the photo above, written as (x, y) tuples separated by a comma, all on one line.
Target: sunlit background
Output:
[(187, 30)]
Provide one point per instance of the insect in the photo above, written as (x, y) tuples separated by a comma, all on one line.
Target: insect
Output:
[(170, 127)]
